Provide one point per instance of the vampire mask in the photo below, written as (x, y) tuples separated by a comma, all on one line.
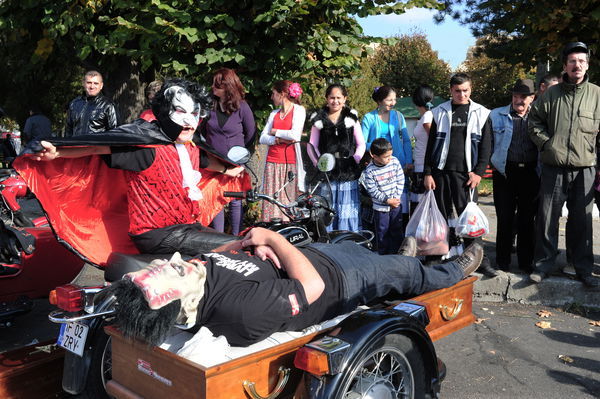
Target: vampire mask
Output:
[(180, 104)]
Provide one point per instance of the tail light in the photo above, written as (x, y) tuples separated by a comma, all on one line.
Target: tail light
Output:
[(324, 356), (68, 297), (312, 361)]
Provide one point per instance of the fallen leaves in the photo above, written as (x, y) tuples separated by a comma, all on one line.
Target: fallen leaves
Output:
[(479, 320), (565, 358), (544, 313), (543, 324)]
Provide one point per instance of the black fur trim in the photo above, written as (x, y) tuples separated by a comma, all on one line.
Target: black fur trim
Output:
[(135, 319)]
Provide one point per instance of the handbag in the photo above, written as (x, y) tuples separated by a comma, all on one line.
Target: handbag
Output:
[(472, 222), (429, 227)]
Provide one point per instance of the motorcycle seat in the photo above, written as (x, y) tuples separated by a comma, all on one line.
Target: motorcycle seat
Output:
[(119, 264)]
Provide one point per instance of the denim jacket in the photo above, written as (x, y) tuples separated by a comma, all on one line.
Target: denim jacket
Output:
[(502, 125)]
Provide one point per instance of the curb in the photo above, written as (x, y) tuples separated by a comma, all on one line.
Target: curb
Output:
[(552, 291)]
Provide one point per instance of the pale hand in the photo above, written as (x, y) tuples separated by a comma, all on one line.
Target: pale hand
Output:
[(47, 154), (474, 180), (393, 202), (234, 172), (429, 183), (265, 252)]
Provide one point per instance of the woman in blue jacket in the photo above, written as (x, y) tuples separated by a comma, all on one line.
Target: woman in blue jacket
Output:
[(388, 123)]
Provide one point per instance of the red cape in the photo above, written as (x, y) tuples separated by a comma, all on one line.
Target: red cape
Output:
[(86, 202)]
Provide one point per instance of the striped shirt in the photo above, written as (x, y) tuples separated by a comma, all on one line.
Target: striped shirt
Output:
[(383, 183)]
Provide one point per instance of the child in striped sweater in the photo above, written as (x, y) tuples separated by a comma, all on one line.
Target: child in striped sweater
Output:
[(384, 180)]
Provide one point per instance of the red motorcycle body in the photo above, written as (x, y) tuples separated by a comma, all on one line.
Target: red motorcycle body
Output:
[(50, 264)]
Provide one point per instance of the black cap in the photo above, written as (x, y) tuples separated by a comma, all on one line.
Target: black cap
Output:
[(575, 47), (523, 86)]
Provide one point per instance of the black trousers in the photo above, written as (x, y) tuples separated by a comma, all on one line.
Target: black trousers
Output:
[(188, 239), (516, 193), (451, 193)]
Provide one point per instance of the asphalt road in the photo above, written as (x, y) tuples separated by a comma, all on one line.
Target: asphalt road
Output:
[(507, 356)]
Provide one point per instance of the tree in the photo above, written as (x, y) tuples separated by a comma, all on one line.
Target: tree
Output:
[(410, 62), (131, 40), (530, 32), (492, 78)]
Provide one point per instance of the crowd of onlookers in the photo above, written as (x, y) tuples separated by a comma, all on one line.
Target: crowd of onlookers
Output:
[(541, 147)]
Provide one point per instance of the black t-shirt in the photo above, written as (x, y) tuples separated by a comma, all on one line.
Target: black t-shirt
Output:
[(137, 159), (247, 299), (456, 150)]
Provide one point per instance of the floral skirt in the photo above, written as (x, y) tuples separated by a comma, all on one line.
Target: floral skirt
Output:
[(275, 177)]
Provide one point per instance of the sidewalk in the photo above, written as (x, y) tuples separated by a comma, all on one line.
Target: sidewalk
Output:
[(559, 290)]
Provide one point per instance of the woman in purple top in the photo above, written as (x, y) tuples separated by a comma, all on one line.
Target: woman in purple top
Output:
[(229, 124)]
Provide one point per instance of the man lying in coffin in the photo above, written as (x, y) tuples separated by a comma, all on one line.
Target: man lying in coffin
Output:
[(248, 289)]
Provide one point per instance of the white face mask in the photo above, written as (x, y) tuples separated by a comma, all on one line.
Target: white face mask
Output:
[(184, 110)]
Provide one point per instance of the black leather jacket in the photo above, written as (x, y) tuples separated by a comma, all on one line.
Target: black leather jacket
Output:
[(90, 115)]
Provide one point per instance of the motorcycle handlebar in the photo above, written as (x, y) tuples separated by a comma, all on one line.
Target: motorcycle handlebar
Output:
[(235, 194)]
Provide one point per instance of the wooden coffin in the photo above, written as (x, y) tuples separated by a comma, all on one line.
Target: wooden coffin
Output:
[(140, 371)]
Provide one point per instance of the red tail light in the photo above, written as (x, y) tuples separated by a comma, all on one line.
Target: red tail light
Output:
[(69, 297), (312, 360)]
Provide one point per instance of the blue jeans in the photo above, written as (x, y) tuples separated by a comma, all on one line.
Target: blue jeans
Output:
[(367, 276)]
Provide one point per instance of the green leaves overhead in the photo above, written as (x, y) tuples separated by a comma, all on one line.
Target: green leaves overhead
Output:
[(264, 40)]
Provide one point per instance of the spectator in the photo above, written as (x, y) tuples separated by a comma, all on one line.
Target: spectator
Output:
[(91, 112), (546, 82), (151, 90), (390, 124), (37, 126), (335, 129), (422, 98), (283, 128), (515, 177), (230, 123), (384, 181), (162, 180), (458, 152), (564, 126)]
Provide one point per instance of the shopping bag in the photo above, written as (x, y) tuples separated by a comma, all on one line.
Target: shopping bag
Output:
[(472, 223), (429, 227)]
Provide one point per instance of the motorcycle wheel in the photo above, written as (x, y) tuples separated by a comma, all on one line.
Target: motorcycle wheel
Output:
[(392, 367), (101, 366)]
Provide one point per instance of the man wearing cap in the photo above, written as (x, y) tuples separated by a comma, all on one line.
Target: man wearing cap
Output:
[(564, 125), (515, 178)]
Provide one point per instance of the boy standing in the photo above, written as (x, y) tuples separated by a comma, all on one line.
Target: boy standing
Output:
[(384, 180)]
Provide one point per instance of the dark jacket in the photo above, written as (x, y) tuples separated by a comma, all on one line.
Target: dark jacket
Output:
[(90, 115), (564, 123), (338, 139)]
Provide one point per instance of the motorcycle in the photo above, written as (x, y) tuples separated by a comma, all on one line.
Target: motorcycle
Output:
[(13, 188), (84, 311), (311, 212), (29, 253)]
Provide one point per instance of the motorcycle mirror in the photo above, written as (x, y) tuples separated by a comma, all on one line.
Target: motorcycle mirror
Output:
[(239, 154), (326, 162)]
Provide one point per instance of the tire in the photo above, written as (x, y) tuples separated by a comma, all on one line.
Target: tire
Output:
[(100, 368), (392, 367)]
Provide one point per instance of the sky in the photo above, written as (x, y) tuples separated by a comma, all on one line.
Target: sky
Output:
[(449, 39)]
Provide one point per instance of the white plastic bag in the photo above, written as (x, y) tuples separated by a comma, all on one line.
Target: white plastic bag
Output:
[(472, 223), (429, 227)]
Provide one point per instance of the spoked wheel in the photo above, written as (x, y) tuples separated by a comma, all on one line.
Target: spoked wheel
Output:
[(101, 368), (106, 365), (390, 368)]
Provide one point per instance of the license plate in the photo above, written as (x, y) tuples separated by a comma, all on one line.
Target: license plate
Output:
[(72, 337)]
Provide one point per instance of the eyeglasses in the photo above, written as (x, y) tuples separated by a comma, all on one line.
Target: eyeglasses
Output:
[(576, 61)]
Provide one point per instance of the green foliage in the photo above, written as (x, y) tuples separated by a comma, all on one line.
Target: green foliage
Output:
[(492, 78), (361, 89), (531, 32), (410, 62), (264, 40)]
